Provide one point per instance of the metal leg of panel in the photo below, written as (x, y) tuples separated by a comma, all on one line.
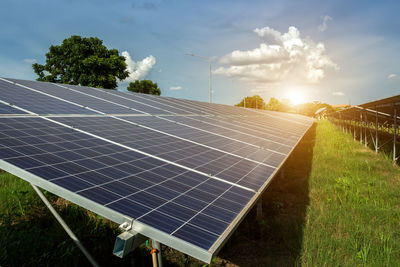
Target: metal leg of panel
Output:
[(65, 226), (157, 246)]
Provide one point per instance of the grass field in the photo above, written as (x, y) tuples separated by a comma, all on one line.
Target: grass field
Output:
[(336, 203)]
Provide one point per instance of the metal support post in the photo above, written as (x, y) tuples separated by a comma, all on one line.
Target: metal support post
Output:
[(354, 130), (156, 245), (65, 226), (376, 130), (394, 135)]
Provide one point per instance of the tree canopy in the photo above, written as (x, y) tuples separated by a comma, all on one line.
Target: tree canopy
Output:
[(276, 105), (84, 61), (254, 101), (145, 87)]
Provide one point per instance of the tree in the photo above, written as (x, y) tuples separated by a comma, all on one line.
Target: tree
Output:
[(255, 101), (144, 86), (84, 61)]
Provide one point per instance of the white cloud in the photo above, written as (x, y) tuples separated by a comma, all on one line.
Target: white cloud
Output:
[(30, 60), (338, 93), (264, 54), (392, 76), (175, 88), (138, 70), (267, 31), (324, 24), (290, 57)]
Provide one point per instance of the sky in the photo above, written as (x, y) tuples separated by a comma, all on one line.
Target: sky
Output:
[(332, 51)]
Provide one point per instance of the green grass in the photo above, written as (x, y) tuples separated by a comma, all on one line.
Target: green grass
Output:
[(30, 235), (336, 204), (354, 211)]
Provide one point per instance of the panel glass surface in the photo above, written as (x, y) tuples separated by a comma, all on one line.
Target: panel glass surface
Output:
[(170, 148), (188, 172), (7, 110), (77, 97), (120, 98), (36, 102), (153, 192)]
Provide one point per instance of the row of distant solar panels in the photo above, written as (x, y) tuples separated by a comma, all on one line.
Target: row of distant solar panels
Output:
[(188, 176)]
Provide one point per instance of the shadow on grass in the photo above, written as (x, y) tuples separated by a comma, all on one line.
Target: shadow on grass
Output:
[(275, 239)]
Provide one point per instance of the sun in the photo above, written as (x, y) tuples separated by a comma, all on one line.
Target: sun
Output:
[(296, 96)]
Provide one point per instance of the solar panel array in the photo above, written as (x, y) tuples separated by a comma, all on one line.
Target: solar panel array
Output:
[(182, 172)]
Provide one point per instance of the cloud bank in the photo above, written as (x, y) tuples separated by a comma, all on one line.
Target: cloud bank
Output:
[(138, 70), (279, 57), (175, 88)]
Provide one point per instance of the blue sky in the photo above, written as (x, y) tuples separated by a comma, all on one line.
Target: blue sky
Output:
[(353, 56)]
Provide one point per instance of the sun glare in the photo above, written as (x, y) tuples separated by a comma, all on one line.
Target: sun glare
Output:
[(296, 96)]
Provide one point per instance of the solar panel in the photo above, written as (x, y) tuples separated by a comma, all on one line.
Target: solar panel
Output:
[(118, 178), (38, 103), (175, 171), (7, 110), (119, 98), (77, 97)]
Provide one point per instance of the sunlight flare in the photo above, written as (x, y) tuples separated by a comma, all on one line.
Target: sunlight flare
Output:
[(296, 96)]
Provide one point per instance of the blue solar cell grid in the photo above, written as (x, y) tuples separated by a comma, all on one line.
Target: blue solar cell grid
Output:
[(36, 102), (120, 98), (6, 110), (188, 176), (77, 97), (228, 167), (143, 188)]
